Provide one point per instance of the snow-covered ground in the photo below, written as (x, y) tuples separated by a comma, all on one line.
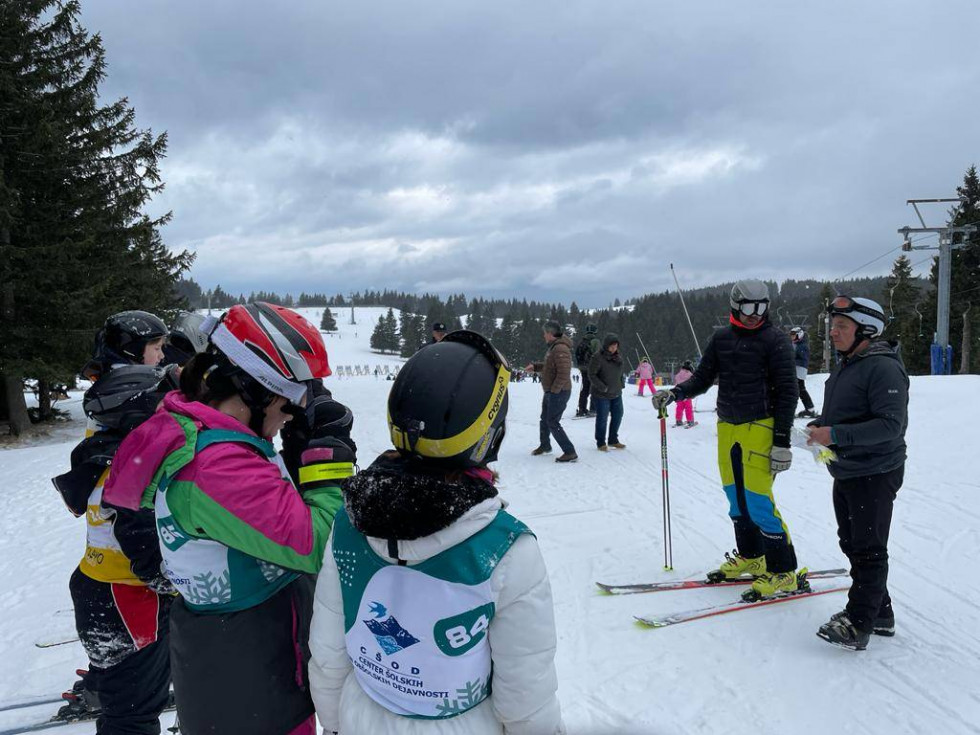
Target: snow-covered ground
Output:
[(758, 671)]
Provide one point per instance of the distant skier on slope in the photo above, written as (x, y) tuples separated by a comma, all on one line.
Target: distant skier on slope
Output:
[(864, 418), (121, 598), (685, 406), (757, 394), (644, 376), (433, 610), (802, 346)]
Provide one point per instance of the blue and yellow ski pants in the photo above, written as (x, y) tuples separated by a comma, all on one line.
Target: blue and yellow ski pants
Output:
[(743, 460)]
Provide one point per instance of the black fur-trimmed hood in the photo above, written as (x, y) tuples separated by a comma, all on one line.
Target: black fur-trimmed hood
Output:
[(402, 499)]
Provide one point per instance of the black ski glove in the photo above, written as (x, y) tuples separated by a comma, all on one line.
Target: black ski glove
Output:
[(325, 462), (324, 417)]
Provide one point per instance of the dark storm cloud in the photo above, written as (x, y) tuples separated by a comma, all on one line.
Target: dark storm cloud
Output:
[(550, 149)]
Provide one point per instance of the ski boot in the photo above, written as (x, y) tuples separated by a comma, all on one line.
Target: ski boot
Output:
[(82, 703), (840, 631), (808, 413), (884, 625), (737, 566), (691, 424), (776, 584), (581, 414), (678, 424)]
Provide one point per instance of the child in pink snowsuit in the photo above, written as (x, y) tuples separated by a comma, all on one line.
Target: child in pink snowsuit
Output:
[(644, 374), (687, 405)]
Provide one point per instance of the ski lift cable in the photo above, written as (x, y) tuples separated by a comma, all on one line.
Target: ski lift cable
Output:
[(883, 255)]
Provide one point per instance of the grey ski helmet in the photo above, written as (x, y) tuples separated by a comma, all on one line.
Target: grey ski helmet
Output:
[(124, 398), (186, 338), (749, 293)]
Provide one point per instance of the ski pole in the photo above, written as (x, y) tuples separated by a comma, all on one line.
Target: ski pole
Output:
[(665, 483)]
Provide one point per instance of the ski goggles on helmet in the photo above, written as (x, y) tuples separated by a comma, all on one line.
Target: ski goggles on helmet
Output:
[(753, 308), (846, 305)]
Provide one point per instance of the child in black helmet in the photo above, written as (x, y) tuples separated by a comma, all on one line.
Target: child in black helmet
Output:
[(433, 601), (121, 599)]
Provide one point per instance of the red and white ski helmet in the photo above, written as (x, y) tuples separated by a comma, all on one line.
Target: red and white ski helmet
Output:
[(272, 344)]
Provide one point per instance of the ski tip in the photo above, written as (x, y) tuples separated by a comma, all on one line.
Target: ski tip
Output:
[(668, 569), (603, 589), (646, 624)]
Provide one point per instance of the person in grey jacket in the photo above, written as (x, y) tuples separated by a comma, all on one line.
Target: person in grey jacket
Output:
[(606, 376), (864, 418)]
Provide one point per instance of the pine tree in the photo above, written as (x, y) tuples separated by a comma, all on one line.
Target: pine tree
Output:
[(384, 338), (378, 336), (327, 322), (965, 282), (75, 178), (899, 299), (392, 342)]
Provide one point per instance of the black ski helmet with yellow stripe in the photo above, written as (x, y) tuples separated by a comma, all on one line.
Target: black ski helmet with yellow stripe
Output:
[(449, 402)]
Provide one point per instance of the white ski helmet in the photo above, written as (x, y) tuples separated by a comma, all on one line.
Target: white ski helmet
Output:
[(798, 332), (867, 314)]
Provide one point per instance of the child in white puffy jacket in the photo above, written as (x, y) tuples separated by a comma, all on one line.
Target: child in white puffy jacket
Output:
[(433, 610)]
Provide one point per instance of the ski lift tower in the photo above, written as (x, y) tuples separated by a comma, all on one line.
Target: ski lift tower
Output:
[(351, 297), (942, 352)]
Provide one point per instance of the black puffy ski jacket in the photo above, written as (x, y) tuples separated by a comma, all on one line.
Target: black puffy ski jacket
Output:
[(865, 402), (756, 373)]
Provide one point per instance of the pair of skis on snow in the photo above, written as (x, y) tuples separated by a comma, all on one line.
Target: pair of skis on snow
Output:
[(661, 621), (56, 721)]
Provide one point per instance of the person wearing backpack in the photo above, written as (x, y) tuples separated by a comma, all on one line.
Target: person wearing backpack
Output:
[(433, 610), (239, 541), (119, 596), (587, 346)]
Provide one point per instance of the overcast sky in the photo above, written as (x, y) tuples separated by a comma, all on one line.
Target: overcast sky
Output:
[(552, 149)]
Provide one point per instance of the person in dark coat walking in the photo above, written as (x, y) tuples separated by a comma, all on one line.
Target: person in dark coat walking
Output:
[(757, 394), (556, 379), (802, 348), (586, 348), (606, 376), (864, 418)]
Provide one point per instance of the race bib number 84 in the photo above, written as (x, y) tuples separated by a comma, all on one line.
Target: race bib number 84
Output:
[(458, 634)]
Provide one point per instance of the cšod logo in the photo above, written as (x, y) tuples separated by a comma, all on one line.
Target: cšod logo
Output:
[(391, 636)]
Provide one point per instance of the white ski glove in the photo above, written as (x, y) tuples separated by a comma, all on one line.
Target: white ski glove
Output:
[(780, 458)]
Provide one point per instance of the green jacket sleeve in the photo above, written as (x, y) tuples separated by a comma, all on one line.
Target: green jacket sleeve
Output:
[(239, 499)]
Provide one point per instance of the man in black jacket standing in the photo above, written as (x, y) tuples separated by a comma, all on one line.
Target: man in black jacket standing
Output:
[(757, 393), (864, 418)]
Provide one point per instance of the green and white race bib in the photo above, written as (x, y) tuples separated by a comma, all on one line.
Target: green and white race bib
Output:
[(417, 636)]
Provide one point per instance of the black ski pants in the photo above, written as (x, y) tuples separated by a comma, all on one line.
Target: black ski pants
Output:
[(804, 396), (552, 407), (586, 392), (863, 506), (123, 629)]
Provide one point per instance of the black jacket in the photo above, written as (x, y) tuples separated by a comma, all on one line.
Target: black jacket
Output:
[(865, 402), (756, 372), (606, 374)]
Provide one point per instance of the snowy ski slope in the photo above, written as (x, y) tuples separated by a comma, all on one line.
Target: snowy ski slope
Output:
[(759, 671)]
